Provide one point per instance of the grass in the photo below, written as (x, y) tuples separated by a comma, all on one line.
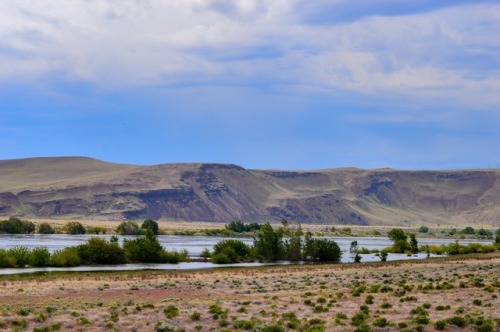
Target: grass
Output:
[(264, 297)]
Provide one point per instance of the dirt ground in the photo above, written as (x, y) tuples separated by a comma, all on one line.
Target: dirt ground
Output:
[(386, 296)]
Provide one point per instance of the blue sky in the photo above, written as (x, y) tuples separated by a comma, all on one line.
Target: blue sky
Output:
[(286, 84)]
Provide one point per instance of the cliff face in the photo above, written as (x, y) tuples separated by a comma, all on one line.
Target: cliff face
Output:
[(76, 187)]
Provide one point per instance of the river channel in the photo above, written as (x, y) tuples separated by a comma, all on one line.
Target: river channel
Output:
[(194, 245)]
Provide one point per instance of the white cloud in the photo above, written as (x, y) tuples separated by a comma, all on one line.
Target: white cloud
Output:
[(135, 43)]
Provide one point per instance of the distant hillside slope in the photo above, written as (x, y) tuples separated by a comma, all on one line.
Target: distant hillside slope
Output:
[(77, 187)]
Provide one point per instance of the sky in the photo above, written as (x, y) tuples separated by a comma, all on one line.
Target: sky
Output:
[(283, 84)]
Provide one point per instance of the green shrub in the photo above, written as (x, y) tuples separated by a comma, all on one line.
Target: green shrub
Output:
[(230, 251), (45, 228), (272, 328), (40, 257), (6, 260), (440, 325), (129, 228), (16, 226), (322, 250), (195, 316), (99, 251), (165, 327), (386, 305), (243, 324), (74, 227), (20, 254), (65, 257), (421, 320), (171, 311), (458, 321), (150, 224), (381, 322), (147, 249), (358, 318)]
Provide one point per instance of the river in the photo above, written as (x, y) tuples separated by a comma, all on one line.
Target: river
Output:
[(194, 245)]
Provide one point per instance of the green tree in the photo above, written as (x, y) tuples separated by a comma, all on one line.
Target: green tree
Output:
[(150, 224), (99, 251), (15, 225), (268, 243), (293, 242), (230, 251), (413, 244), (322, 250), (74, 227), (354, 251), (65, 257), (45, 228), (468, 230), (423, 229), (397, 234), (128, 228), (39, 257), (145, 249), (21, 255)]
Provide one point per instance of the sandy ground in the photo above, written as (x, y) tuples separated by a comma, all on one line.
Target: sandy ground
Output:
[(327, 297)]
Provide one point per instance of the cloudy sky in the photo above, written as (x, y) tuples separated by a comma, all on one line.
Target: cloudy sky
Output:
[(289, 84)]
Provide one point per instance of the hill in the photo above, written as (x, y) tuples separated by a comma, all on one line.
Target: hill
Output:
[(78, 187)]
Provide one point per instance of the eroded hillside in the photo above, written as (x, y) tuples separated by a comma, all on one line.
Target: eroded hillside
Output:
[(76, 187)]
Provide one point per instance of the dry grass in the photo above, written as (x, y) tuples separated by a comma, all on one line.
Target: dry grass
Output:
[(135, 301)]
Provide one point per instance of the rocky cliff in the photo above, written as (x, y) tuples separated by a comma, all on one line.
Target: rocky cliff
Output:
[(77, 187)]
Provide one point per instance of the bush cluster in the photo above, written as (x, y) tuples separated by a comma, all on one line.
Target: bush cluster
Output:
[(15, 225), (284, 243), (144, 249), (240, 227)]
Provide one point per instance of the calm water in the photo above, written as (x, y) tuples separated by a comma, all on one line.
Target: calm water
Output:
[(194, 245)]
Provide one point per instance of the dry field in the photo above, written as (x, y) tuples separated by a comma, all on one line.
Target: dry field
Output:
[(332, 297)]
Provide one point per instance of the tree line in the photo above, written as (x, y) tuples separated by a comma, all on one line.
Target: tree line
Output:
[(288, 243), (142, 249)]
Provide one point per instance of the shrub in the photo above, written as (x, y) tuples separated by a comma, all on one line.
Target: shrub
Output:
[(6, 260), (128, 228), (40, 257), (358, 318), (230, 251), (386, 305), (380, 322), (423, 229), (421, 320), (20, 254), (145, 249), (458, 321), (240, 227), (243, 324), (171, 311), (45, 228), (150, 224), (99, 251), (74, 227), (272, 328), (16, 226), (440, 325), (322, 250), (65, 257), (195, 316)]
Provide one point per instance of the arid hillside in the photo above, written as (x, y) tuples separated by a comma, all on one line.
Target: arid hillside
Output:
[(77, 187)]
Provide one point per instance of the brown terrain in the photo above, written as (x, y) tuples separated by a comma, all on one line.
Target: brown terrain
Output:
[(461, 293), (85, 188)]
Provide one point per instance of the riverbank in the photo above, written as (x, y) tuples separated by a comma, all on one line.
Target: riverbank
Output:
[(202, 228), (330, 296)]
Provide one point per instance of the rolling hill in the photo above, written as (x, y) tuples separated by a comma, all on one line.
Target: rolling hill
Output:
[(78, 187)]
